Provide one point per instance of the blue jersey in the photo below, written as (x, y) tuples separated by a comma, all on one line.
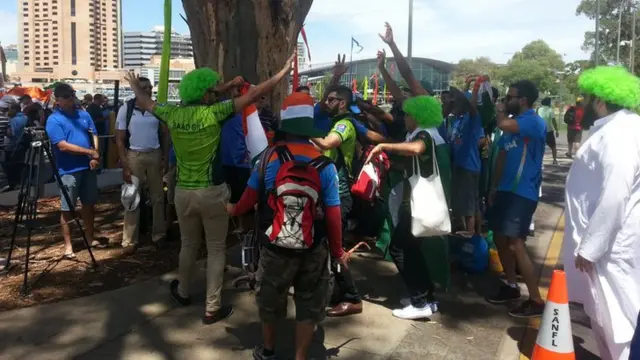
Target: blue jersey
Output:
[(303, 151), (522, 171), (466, 132)]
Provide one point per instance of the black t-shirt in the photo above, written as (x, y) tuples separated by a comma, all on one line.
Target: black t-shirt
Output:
[(97, 115)]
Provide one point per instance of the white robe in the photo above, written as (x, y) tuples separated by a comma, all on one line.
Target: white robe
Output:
[(602, 224)]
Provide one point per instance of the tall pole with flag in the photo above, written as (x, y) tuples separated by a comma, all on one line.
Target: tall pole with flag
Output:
[(163, 83), (353, 41)]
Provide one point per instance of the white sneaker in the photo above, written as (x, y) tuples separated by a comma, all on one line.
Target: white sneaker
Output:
[(413, 313)]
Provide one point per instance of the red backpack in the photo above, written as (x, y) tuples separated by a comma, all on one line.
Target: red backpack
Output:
[(369, 182), (295, 199)]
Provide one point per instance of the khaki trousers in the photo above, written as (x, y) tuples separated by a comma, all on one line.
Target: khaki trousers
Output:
[(200, 209), (146, 166)]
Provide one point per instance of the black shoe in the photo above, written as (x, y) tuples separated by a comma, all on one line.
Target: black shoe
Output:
[(224, 312), (258, 354), (161, 243), (174, 294), (528, 309), (506, 293)]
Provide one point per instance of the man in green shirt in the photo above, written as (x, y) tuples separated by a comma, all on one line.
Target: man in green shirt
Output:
[(546, 112), (201, 194), (340, 146)]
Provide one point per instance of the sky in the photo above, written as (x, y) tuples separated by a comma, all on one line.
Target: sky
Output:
[(443, 29)]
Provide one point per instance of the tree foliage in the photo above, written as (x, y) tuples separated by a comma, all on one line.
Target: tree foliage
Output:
[(609, 15), (536, 62), (469, 67)]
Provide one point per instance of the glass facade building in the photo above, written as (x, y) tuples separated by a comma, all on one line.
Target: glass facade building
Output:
[(437, 74)]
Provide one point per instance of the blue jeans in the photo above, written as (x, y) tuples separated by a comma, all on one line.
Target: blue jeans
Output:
[(82, 184)]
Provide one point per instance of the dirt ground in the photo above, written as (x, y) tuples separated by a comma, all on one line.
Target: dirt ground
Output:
[(52, 278)]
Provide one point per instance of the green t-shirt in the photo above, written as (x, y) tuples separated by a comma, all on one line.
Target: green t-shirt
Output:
[(346, 131), (546, 113), (195, 132)]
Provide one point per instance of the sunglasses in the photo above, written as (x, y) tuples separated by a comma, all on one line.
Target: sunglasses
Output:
[(331, 99), (148, 87)]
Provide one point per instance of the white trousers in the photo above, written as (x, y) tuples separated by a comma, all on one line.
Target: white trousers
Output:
[(609, 351)]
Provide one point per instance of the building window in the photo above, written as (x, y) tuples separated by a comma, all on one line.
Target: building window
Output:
[(26, 64), (74, 55), (26, 58), (73, 8)]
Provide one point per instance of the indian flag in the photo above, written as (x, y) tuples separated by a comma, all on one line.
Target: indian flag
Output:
[(255, 138)]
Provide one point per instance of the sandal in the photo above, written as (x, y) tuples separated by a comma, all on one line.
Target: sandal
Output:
[(69, 256)]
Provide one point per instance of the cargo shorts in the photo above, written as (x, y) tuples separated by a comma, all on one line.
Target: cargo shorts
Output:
[(307, 271)]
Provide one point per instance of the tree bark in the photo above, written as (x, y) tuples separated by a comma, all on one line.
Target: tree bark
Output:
[(250, 38)]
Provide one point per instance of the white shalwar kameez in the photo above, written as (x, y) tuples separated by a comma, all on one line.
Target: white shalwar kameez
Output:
[(602, 224)]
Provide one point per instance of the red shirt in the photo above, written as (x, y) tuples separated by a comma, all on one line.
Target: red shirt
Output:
[(577, 124)]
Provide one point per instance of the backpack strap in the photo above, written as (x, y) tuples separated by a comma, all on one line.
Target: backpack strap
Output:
[(320, 163), (284, 154), (131, 105)]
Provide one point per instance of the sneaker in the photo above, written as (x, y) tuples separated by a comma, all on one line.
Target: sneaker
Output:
[(528, 309), (555, 162), (224, 312), (258, 354), (413, 313), (173, 288), (506, 293)]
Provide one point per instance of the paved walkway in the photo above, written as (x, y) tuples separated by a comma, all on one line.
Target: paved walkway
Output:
[(141, 322)]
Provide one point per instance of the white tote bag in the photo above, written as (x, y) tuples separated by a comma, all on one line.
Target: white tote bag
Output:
[(429, 210)]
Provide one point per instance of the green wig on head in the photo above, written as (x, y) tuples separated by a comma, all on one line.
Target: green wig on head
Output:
[(425, 110), (195, 84), (612, 84)]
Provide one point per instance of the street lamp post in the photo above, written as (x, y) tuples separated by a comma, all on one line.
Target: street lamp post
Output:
[(619, 30), (597, 50), (632, 59), (410, 37)]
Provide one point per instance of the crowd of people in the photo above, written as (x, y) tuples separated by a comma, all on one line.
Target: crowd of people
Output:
[(486, 149)]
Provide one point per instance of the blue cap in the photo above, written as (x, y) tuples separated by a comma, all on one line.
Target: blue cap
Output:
[(354, 108)]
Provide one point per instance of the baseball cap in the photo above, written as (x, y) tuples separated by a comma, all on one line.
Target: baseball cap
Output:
[(63, 90)]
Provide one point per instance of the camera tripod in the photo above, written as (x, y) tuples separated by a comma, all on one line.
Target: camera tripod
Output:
[(30, 191)]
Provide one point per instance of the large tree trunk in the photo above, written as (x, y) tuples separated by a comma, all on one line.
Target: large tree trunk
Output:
[(250, 38)]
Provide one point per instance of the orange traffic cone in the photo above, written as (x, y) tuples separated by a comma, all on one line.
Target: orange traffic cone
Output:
[(555, 340)]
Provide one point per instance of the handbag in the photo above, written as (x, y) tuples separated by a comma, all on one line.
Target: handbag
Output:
[(429, 210)]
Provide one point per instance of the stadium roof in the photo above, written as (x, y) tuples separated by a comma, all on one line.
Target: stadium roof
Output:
[(431, 62)]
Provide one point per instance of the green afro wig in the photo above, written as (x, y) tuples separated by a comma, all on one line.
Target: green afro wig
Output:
[(613, 84), (425, 110), (195, 84)]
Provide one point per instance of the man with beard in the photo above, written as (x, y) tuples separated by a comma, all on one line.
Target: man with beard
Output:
[(601, 250), (514, 193), (340, 145)]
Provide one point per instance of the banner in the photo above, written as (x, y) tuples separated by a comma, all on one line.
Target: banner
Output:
[(365, 93)]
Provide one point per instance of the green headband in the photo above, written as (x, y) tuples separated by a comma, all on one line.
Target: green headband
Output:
[(425, 110), (195, 84), (613, 84)]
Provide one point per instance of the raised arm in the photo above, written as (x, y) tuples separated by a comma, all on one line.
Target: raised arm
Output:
[(339, 69), (143, 100), (393, 87), (403, 65), (255, 92)]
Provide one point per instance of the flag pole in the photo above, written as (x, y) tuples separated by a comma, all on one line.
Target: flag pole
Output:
[(163, 83), (351, 62)]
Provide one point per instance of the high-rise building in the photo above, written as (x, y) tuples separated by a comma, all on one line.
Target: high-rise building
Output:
[(302, 55), (60, 39), (139, 47)]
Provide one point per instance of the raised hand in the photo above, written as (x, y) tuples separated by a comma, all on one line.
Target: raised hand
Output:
[(237, 81), (388, 34), (340, 67), (382, 56), (132, 78)]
